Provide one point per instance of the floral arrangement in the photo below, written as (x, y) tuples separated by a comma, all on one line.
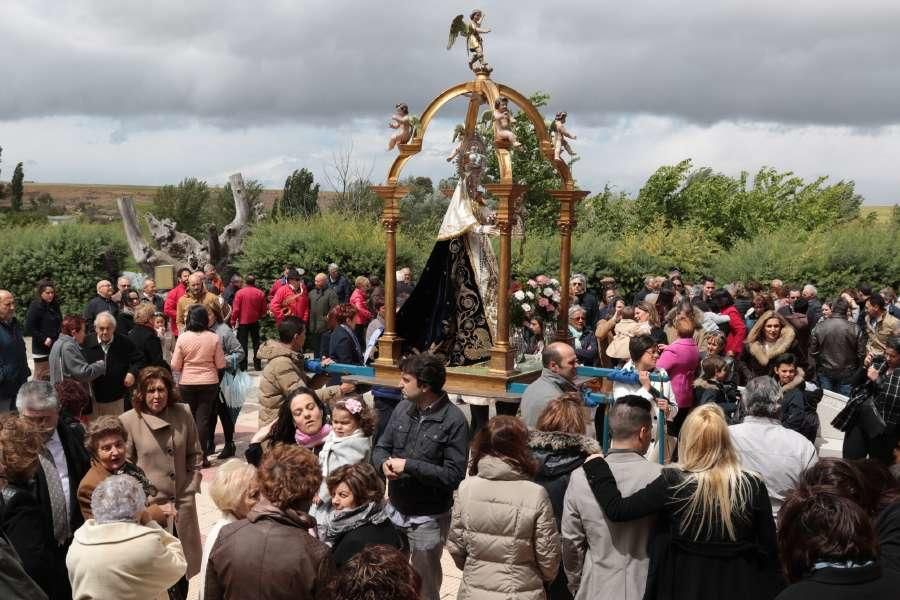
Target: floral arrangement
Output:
[(539, 297)]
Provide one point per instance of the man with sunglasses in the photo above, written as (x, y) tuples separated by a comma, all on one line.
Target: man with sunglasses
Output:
[(585, 299)]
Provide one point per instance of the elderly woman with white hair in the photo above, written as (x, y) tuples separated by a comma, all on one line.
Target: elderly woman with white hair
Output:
[(234, 491), (582, 335), (114, 556)]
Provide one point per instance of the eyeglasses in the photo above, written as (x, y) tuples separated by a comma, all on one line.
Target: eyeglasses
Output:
[(653, 351), (581, 318)]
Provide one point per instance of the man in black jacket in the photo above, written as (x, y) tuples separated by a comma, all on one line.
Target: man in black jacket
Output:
[(423, 453), (123, 362), (63, 461), (102, 302), (837, 349)]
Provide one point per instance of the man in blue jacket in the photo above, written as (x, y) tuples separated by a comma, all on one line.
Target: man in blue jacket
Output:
[(423, 453), (14, 369)]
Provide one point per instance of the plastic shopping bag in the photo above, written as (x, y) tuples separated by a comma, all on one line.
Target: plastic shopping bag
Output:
[(235, 388)]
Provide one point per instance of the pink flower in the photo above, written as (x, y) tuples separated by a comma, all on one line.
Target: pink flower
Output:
[(542, 280), (532, 283), (543, 302)]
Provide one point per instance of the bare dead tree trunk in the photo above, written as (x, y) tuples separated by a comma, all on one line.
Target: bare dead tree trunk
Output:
[(232, 238), (180, 249)]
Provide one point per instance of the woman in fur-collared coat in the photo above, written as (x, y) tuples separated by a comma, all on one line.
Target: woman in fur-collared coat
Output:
[(560, 447), (771, 336)]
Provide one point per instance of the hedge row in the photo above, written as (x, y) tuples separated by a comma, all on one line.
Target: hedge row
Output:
[(74, 256)]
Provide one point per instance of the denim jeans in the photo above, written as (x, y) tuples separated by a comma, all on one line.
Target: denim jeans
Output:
[(426, 544), (834, 384)]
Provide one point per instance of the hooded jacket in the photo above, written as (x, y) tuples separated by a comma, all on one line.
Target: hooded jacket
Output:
[(798, 407), (558, 454), (124, 560), (503, 535), (283, 374)]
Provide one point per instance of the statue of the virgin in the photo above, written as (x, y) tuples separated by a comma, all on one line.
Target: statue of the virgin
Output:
[(453, 308)]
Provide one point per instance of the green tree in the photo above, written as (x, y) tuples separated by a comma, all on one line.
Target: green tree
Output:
[(423, 208), (220, 211), (17, 188), (186, 204), (300, 197), (737, 208)]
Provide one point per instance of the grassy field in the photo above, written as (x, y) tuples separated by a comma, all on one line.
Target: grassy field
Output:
[(884, 212), (103, 197)]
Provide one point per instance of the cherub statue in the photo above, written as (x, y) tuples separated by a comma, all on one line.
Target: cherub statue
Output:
[(502, 122), (559, 133), (403, 123), (459, 133), (472, 31)]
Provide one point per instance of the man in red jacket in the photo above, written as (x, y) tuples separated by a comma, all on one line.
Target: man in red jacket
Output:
[(291, 299), (170, 308), (248, 308)]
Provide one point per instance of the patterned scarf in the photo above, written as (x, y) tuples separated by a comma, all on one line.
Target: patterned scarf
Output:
[(311, 441), (341, 521)]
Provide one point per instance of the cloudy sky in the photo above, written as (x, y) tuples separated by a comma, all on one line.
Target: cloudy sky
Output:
[(152, 92)]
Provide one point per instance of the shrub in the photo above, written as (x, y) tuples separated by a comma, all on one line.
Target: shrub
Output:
[(74, 256), (831, 259), (356, 245)]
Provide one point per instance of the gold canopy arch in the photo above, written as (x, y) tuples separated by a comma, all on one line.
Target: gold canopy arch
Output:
[(507, 194)]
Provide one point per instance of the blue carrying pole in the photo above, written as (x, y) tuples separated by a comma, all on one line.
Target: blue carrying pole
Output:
[(316, 366), (595, 399)]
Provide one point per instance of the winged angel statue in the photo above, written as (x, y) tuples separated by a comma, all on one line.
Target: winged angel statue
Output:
[(472, 31)]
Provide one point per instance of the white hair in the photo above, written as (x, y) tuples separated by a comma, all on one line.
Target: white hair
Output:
[(332, 267), (231, 482), (575, 309), (37, 395), (579, 277), (105, 316), (762, 397), (810, 290), (119, 498)]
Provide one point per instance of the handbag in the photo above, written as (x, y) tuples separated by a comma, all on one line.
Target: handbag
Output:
[(869, 419)]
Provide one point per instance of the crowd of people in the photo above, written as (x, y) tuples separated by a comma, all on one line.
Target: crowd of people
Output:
[(341, 496)]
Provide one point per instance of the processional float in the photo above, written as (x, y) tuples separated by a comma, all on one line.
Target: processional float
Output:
[(494, 375)]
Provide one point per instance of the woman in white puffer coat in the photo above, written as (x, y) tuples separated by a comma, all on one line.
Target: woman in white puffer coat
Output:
[(503, 533)]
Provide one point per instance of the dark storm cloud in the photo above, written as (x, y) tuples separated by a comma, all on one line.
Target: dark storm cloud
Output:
[(242, 63)]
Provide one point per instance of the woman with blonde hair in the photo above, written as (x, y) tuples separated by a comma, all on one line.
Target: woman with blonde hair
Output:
[(719, 539), (234, 491)]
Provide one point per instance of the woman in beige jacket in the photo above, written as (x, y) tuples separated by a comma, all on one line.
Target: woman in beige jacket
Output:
[(162, 440), (114, 556), (503, 534)]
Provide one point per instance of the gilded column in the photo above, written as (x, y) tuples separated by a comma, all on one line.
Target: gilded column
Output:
[(565, 223), (389, 343), (507, 196)]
